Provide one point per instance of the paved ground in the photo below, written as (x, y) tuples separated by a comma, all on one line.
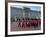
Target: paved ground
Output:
[(14, 27)]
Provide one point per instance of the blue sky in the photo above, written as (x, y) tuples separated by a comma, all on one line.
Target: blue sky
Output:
[(36, 8)]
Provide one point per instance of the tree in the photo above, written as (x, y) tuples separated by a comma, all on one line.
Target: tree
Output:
[(26, 9)]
